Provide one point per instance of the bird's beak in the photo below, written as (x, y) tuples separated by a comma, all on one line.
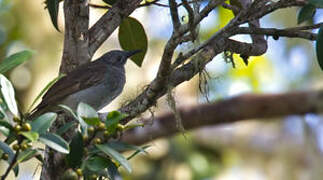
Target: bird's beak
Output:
[(131, 53)]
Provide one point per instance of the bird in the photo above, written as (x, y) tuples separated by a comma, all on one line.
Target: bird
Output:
[(96, 83)]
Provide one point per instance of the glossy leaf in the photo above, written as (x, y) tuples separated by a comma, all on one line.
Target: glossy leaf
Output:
[(83, 124), (55, 142), (4, 131), (97, 163), (114, 155), (319, 47), (42, 123), (88, 114), (52, 6), (8, 94), (306, 13), (14, 60), (74, 158), (31, 135), (6, 124), (132, 36), (316, 3), (43, 91), (113, 119)]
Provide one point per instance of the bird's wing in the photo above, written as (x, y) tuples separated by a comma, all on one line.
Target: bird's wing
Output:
[(83, 77)]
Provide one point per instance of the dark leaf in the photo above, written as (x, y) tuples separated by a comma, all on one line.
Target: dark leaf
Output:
[(74, 158), (114, 155), (14, 60), (65, 128), (316, 3), (52, 6), (306, 13), (42, 123), (110, 2), (97, 163), (319, 47), (113, 171), (132, 36)]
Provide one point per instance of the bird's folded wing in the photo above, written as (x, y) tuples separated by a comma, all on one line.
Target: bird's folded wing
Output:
[(83, 77)]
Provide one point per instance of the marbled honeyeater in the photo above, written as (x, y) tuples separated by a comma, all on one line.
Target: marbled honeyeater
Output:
[(95, 83)]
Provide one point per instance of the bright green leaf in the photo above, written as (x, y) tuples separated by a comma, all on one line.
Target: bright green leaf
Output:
[(52, 6), (42, 123), (74, 158), (306, 13), (114, 155), (31, 135), (316, 3), (55, 142), (43, 91), (113, 119), (319, 47), (132, 36), (97, 163), (8, 94), (14, 60)]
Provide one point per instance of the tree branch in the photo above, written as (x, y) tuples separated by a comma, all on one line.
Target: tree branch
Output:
[(104, 27), (244, 107)]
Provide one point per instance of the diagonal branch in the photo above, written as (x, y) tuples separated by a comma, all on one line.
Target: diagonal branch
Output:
[(104, 27), (244, 107)]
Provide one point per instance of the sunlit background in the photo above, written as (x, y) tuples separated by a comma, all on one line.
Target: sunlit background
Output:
[(290, 148)]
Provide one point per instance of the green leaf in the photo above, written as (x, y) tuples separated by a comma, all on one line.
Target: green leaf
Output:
[(52, 6), (43, 91), (114, 155), (113, 119), (121, 146), (319, 47), (14, 60), (306, 13), (26, 155), (138, 151), (316, 3), (88, 114), (6, 124), (31, 135), (42, 123), (132, 36), (4, 131), (97, 163), (55, 142), (83, 124), (65, 128), (8, 94), (74, 158)]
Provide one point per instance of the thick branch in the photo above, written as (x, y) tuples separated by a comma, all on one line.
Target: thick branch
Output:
[(104, 27), (239, 108), (76, 40)]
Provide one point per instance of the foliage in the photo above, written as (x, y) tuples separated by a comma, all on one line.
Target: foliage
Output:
[(88, 154)]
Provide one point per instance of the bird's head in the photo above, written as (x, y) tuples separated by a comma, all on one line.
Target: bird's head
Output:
[(117, 57)]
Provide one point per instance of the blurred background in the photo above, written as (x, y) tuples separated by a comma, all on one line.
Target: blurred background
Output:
[(288, 148)]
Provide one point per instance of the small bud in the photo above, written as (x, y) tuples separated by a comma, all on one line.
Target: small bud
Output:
[(16, 119), (85, 138), (24, 147), (97, 141), (101, 126), (70, 174), (120, 127), (16, 147), (79, 172), (26, 127), (90, 130), (94, 176), (5, 156), (106, 134), (17, 128)]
